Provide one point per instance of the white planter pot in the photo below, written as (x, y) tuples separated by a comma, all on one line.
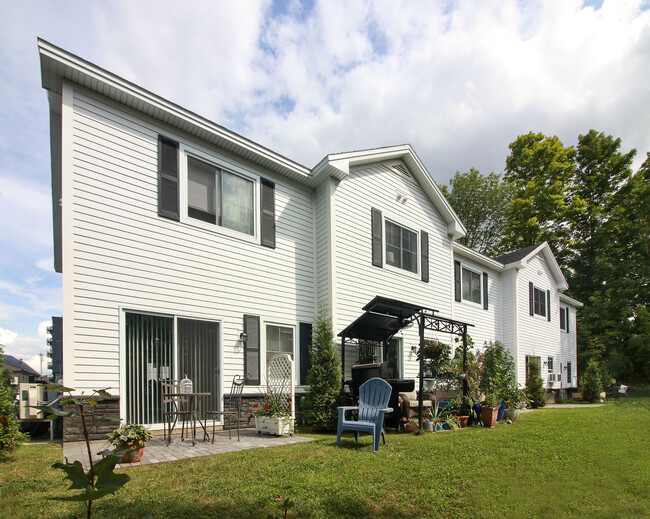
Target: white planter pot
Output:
[(278, 425)]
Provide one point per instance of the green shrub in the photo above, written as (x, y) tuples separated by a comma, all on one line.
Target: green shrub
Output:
[(592, 385), (324, 378), (535, 389), (498, 371), (10, 435)]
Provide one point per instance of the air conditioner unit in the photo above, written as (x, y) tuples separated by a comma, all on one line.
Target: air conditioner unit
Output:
[(31, 394), (551, 377)]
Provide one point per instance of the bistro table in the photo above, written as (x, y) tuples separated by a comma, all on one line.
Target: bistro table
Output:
[(187, 403)]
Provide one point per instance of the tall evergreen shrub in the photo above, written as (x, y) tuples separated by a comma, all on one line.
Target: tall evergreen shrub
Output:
[(10, 435), (324, 378), (592, 385), (535, 386)]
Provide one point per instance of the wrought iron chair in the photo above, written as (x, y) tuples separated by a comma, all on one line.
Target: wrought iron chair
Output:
[(173, 409), (374, 395), (233, 411)]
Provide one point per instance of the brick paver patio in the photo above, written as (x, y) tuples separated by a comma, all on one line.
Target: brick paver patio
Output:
[(157, 452)]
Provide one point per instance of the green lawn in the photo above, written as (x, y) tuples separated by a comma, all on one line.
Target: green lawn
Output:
[(587, 462)]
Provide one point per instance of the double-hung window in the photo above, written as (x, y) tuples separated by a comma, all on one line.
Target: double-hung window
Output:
[(550, 364), (471, 286), (539, 301), (220, 197), (401, 247), (279, 339), (564, 318)]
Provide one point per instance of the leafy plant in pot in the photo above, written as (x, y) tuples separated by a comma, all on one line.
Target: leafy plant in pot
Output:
[(463, 407), (513, 398), (490, 410), (129, 441)]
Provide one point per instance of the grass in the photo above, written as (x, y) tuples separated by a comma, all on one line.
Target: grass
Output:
[(587, 462)]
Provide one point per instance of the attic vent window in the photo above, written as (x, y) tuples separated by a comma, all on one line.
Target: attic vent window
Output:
[(401, 168)]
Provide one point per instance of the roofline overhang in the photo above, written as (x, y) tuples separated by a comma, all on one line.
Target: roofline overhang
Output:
[(477, 257), (58, 65), (571, 301), (338, 165)]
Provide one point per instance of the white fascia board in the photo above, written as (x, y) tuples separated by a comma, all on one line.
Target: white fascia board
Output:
[(339, 164), (58, 64), (570, 301), (477, 257)]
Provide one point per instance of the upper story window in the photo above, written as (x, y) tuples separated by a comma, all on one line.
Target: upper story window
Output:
[(213, 196), (401, 247), (471, 286), (564, 318), (219, 197), (539, 301)]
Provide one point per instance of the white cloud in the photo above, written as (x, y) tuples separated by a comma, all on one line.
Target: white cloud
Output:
[(42, 329), (7, 336)]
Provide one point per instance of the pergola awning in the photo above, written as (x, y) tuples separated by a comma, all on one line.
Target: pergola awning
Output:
[(382, 319)]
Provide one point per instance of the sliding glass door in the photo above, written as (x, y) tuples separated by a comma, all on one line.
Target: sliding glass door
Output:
[(160, 347)]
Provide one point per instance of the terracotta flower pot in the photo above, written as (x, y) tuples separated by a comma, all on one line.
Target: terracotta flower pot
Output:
[(134, 455), (463, 421), (489, 416), (411, 427)]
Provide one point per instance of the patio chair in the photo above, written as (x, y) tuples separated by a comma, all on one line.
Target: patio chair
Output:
[(622, 390), (374, 395), (232, 411), (173, 409)]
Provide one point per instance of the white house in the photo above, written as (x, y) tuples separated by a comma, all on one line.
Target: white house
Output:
[(186, 248)]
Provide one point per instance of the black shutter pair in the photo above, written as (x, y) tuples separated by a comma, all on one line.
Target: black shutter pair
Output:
[(378, 245), (458, 287), (168, 198)]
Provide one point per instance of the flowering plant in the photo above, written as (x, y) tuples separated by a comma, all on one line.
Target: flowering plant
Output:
[(453, 421), (273, 405)]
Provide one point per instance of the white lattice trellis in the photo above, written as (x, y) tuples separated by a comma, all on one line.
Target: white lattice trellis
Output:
[(280, 381)]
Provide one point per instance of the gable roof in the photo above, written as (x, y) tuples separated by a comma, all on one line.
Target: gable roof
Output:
[(520, 257), (517, 255), (20, 364), (338, 166)]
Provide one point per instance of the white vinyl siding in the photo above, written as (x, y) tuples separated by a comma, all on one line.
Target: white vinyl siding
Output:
[(536, 336), (121, 255), (357, 280), (487, 323)]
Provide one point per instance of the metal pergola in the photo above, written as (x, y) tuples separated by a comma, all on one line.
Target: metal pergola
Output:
[(384, 317)]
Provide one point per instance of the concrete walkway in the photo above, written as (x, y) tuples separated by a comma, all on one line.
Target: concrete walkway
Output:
[(157, 452), (572, 406)]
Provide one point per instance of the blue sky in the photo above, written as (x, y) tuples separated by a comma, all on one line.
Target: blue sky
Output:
[(458, 80)]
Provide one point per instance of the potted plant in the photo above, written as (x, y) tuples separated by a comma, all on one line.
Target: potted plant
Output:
[(427, 423), (490, 410), (273, 415), (129, 441), (411, 425), (463, 407), (513, 398)]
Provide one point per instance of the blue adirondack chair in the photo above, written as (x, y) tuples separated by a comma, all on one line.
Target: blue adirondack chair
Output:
[(374, 395)]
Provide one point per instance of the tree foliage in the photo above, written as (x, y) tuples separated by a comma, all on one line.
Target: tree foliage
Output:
[(480, 202), (324, 378), (10, 435), (540, 170), (592, 385)]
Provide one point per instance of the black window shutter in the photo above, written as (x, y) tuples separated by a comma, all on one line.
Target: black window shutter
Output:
[(424, 263), (531, 298), (377, 241), (267, 232), (457, 285), (567, 319), (305, 355), (168, 178), (252, 349), (548, 304), (485, 291), (562, 319)]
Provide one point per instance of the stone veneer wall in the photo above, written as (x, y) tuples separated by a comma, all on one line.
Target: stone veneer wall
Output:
[(102, 427)]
